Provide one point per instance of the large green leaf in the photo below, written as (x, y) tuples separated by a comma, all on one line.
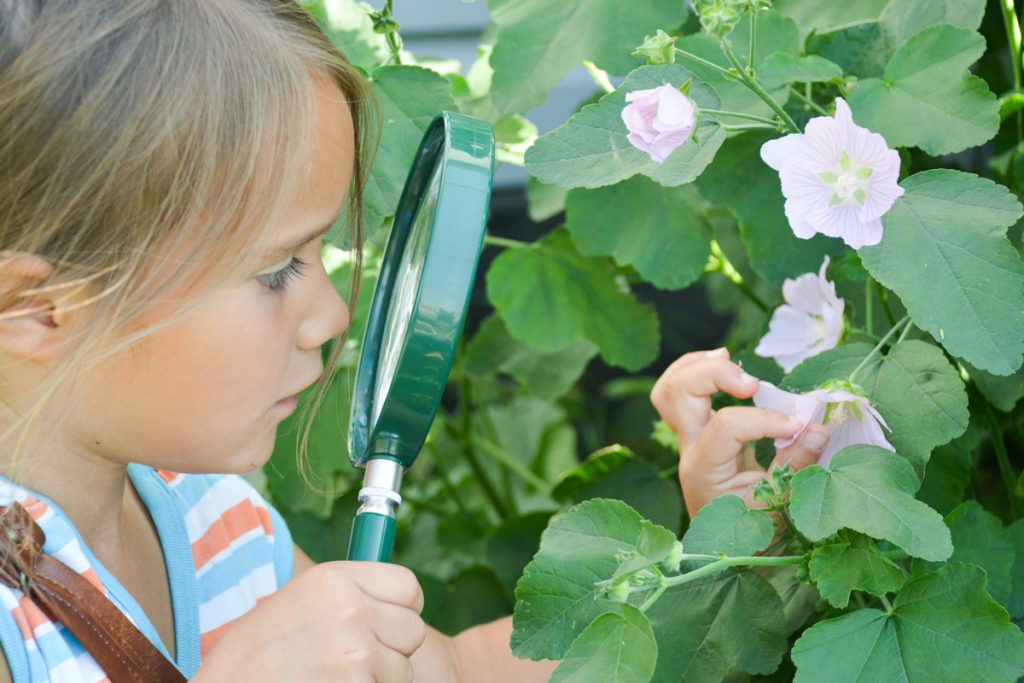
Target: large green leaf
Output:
[(726, 526), (782, 68), (556, 599), (551, 298), (1003, 392), (949, 472), (615, 648), (591, 149), (943, 627), (825, 16), (870, 490), (852, 562), (927, 98), (658, 230), (539, 41), (945, 253), (347, 23), (410, 97), (709, 627), (1016, 534), (775, 252)]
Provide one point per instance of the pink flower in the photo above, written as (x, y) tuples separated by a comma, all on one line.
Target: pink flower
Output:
[(838, 179), (811, 320), (658, 120), (850, 418)]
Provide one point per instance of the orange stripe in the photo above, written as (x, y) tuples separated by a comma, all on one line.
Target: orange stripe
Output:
[(233, 523), (33, 614), (19, 618), (167, 475), (35, 507), (90, 576)]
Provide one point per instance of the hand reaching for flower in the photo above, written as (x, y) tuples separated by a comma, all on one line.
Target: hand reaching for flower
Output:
[(714, 453)]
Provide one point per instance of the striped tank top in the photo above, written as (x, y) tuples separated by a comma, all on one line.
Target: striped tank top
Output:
[(225, 549)]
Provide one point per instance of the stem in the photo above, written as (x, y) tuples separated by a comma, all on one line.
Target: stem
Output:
[(869, 312), (496, 241), (749, 126), (1013, 41), (446, 479), (878, 346), (753, 40), (754, 85), (600, 76), (727, 562), (886, 603), (1005, 468), (807, 101), (883, 296), (517, 468), (703, 62), (792, 528), (906, 331), (740, 115), (392, 39), (653, 598), (470, 453), (733, 275)]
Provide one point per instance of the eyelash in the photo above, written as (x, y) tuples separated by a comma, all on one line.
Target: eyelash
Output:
[(279, 279)]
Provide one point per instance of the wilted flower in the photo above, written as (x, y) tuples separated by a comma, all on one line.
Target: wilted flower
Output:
[(659, 120), (849, 417), (838, 179), (811, 320)]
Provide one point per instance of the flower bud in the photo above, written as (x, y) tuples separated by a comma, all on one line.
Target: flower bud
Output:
[(658, 49), (658, 120)]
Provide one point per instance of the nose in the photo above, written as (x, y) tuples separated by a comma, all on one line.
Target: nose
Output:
[(328, 315)]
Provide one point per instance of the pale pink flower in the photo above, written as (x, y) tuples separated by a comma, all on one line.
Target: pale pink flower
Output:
[(849, 418), (838, 179), (811, 320), (659, 120)]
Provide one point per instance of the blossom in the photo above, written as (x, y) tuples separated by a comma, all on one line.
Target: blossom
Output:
[(849, 417), (811, 320), (659, 120), (838, 178)]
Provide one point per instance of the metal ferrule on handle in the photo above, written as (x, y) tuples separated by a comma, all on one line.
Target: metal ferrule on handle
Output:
[(373, 530)]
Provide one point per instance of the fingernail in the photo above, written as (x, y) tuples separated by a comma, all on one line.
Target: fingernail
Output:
[(795, 423), (815, 441), (717, 353), (744, 377)]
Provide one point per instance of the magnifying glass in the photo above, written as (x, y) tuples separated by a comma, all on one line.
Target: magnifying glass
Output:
[(416, 317)]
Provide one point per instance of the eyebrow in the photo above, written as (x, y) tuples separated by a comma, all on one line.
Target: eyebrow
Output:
[(286, 249)]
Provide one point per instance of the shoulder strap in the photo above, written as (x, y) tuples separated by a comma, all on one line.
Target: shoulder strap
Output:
[(124, 653)]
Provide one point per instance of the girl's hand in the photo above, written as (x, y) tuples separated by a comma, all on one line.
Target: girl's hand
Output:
[(714, 452), (357, 622)]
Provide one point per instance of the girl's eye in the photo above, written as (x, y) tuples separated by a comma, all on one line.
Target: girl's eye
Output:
[(277, 281)]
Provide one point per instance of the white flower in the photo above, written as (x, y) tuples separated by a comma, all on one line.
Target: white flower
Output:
[(811, 320), (838, 179), (659, 120), (850, 418)]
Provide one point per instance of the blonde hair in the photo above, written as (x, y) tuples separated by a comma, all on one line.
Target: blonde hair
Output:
[(134, 130)]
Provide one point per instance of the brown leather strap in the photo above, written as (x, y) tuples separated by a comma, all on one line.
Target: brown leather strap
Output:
[(126, 655)]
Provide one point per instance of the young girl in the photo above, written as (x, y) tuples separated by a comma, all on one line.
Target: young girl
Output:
[(168, 169)]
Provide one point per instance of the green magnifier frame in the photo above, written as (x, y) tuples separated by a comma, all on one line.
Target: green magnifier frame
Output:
[(416, 317)]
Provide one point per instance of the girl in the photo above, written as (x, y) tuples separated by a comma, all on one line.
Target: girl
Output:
[(168, 169)]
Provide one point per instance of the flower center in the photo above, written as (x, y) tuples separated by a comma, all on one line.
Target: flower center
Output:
[(848, 182)]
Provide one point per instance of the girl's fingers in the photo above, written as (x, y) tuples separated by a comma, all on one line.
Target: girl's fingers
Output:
[(729, 431), (804, 451), (682, 395), (399, 628)]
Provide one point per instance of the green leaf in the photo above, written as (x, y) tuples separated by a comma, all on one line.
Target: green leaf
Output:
[(837, 363), (546, 375), (543, 201), (726, 526), (825, 16), (927, 98), (1002, 392), (615, 648), (870, 490), (965, 282), (709, 627), (1016, 534), (949, 472), (943, 627), (556, 599), (513, 544), (853, 562), (471, 598), (410, 97), (540, 41), (783, 68), (775, 252), (591, 149), (347, 23), (551, 298), (627, 221), (325, 540), (614, 472)]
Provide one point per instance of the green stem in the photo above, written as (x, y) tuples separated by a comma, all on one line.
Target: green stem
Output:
[(732, 275), (740, 115), (727, 562), (1002, 457), (753, 39), (446, 479), (883, 296), (653, 598), (749, 126), (807, 101), (1013, 41), (878, 347), (792, 528), (754, 85), (869, 306), (600, 76), (517, 468), (711, 65), (469, 452), (885, 602), (392, 38), (495, 241), (906, 331)]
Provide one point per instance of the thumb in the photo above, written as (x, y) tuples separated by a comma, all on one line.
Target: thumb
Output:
[(806, 450)]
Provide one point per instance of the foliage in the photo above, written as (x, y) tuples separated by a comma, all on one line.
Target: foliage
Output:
[(880, 565)]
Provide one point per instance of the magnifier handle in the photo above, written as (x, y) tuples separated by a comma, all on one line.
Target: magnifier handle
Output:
[(373, 537)]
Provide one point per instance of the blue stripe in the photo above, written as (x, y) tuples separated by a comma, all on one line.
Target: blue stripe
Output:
[(284, 552), (14, 648), (226, 574)]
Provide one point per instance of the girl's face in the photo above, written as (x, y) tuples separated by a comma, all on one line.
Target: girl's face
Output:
[(207, 394)]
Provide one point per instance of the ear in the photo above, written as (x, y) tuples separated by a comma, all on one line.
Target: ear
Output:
[(31, 325)]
